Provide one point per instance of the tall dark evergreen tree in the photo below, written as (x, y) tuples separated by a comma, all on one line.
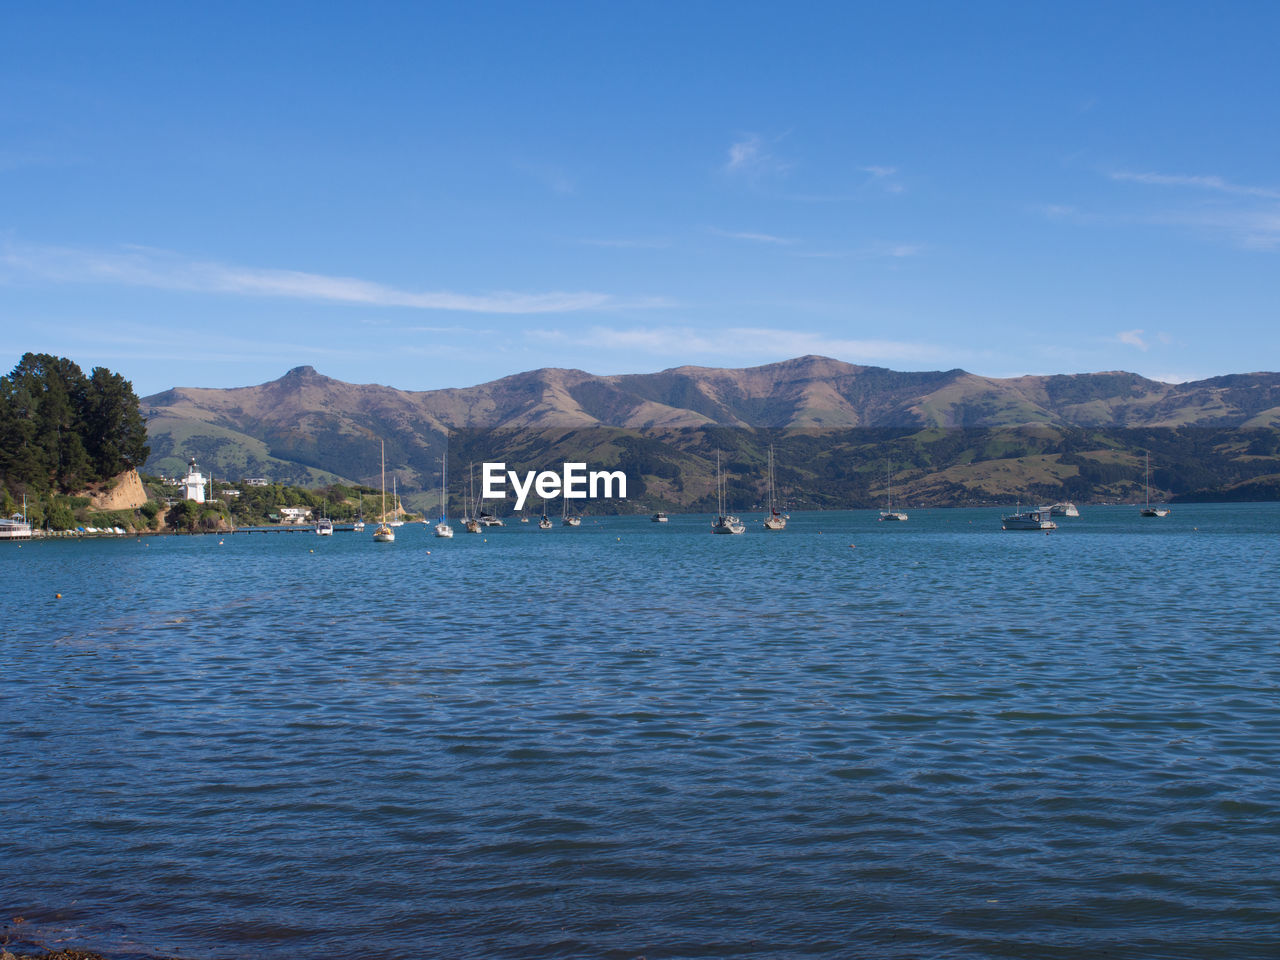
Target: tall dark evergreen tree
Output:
[(62, 430)]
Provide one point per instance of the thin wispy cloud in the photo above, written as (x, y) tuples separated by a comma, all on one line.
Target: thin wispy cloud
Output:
[(1133, 338), (753, 237), (554, 178), (746, 343), (896, 251), (1245, 215), (164, 270), (1141, 339), (1205, 182), (884, 178), (627, 243), (751, 157)]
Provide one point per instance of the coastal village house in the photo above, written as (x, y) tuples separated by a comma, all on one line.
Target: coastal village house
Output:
[(295, 514)]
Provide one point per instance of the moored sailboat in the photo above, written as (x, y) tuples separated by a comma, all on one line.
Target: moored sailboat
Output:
[(889, 513), (774, 519), (384, 534), (724, 522), (1149, 510), (470, 522), (442, 528), (395, 500)]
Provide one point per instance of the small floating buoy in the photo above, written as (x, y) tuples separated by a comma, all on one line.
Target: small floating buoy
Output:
[(619, 539), (311, 551), (57, 596), (428, 553), (852, 547)]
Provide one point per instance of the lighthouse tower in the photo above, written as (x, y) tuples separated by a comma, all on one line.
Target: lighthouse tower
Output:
[(193, 482)]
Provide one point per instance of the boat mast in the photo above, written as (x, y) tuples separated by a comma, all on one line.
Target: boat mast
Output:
[(719, 486), (444, 472), (384, 482)]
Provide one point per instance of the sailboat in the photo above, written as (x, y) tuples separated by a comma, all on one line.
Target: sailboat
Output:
[(384, 534), (442, 528), (889, 513), (470, 522), (324, 526), (395, 499), (724, 522), (775, 519), (1149, 510), (568, 519)]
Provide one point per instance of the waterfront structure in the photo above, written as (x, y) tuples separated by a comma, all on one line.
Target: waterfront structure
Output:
[(193, 483)]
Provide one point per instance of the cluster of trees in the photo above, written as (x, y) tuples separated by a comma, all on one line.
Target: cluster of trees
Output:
[(61, 430)]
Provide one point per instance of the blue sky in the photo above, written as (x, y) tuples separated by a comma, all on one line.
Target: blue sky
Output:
[(431, 195)]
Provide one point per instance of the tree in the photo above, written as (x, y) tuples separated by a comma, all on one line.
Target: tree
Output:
[(60, 430)]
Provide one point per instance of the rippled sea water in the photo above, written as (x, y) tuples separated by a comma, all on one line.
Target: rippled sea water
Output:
[(851, 739)]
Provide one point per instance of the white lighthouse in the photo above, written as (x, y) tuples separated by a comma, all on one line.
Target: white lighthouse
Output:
[(193, 482)]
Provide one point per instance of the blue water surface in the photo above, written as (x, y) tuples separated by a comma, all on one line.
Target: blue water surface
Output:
[(850, 739)]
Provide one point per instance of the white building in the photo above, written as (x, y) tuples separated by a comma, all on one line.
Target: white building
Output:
[(193, 483), (295, 514)]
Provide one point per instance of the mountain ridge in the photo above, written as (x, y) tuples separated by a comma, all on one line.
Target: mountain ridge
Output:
[(307, 427)]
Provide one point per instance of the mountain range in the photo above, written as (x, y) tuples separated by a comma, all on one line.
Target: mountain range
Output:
[(309, 428)]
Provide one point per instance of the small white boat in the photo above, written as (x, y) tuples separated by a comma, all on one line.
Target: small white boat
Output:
[(324, 527), (1149, 510), (545, 523), (1064, 509), (659, 517), (724, 522), (1038, 519)]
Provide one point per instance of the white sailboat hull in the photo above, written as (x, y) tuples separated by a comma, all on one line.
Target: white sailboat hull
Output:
[(729, 525)]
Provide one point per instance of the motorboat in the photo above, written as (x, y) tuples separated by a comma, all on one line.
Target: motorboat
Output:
[(1038, 519), (659, 517)]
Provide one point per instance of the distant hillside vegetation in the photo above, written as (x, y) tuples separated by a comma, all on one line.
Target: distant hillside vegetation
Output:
[(949, 436)]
